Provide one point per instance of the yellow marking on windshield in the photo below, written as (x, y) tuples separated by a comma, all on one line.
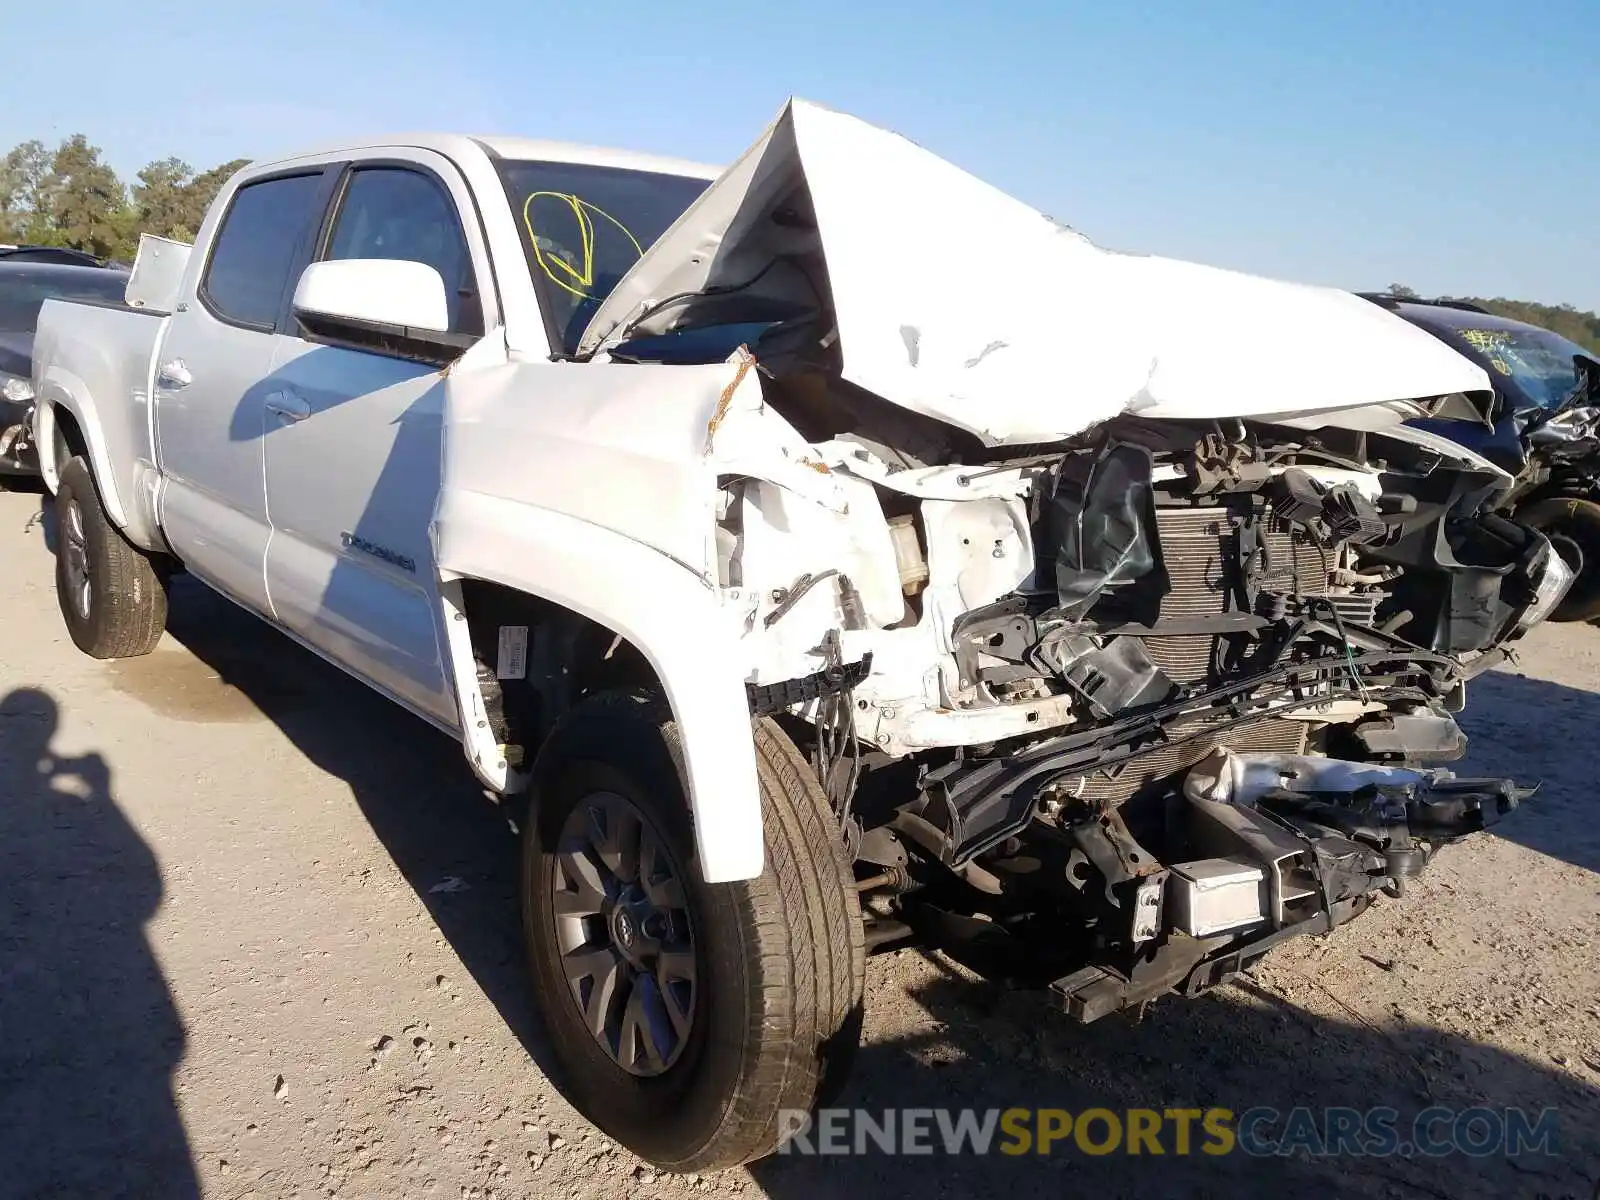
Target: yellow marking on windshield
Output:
[(570, 278), (1486, 339)]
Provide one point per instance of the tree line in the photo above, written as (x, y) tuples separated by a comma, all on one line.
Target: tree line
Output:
[(71, 197), (1574, 324)]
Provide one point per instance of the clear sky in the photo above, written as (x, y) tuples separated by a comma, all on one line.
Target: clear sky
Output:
[(1449, 146)]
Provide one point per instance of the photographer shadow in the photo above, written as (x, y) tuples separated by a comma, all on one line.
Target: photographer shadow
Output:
[(411, 782), (89, 1033)]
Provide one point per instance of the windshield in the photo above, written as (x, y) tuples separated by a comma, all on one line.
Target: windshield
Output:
[(1540, 362), (23, 292), (584, 226)]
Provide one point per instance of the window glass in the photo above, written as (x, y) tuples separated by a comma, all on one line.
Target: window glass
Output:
[(1544, 363), (394, 213), (255, 248), (584, 226)]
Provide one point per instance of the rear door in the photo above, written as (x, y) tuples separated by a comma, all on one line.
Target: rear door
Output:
[(354, 444), (211, 385)]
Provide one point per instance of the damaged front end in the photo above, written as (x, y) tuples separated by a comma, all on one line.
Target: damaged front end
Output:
[(1119, 664), (1289, 845), (1148, 702)]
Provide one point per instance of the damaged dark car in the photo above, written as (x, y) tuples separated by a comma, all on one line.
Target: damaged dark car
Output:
[(1545, 432)]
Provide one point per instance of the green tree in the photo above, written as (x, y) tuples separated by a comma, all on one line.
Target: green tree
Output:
[(160, 199), (82, 201), (1401, 292), (21, 171), (202, 190), (1571, 323)]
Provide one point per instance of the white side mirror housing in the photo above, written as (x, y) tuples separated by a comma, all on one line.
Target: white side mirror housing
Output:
[(374, 291)]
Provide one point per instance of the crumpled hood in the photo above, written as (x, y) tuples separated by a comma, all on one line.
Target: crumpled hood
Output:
[(956, 301)]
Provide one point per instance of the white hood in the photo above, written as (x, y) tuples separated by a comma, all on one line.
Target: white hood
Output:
[(956, 301)]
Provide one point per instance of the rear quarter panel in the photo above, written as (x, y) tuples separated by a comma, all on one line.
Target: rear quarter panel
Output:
[(94, 362)]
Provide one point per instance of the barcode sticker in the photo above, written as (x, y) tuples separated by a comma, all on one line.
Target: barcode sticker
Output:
[(512, 662)]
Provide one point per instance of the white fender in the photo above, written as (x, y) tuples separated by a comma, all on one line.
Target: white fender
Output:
[(672, 616)]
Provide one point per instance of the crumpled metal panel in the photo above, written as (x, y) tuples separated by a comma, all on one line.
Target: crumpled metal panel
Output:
[(956, 301)]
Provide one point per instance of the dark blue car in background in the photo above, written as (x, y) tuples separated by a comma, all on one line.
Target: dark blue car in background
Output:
[(25, 284), (1546, 430)]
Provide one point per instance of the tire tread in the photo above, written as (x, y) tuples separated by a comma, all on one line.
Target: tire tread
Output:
[(801, 953), (128, 610)]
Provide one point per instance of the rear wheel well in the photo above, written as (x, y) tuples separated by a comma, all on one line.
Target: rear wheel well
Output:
[(567, 657), (68, 436)]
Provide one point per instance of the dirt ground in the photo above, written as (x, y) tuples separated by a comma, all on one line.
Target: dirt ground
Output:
[(258, 938)]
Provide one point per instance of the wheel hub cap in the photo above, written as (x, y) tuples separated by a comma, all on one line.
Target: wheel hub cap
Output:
[(623, 930)]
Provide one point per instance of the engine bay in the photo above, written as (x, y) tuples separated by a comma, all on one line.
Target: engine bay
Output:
[(1015, 669)]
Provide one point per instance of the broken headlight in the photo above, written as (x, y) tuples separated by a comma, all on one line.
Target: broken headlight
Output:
[(1555, 577)]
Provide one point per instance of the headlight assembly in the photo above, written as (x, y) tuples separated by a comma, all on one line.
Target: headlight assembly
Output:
[(15, 388)]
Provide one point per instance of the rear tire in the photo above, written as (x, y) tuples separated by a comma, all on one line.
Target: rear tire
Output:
[(780, 960), (1579, 520), (112, 596)]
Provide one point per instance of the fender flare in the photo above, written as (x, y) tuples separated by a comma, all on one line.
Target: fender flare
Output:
[(60, 390), (672, 615)]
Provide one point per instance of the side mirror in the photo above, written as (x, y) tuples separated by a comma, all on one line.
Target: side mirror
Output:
[(390, 306)]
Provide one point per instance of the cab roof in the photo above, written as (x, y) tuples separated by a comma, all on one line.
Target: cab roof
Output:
[(460, 145)]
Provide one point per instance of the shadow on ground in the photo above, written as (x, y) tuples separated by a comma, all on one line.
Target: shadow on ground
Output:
[(1239, 1048), (89, 1035), (1541, 732), (412, 782)]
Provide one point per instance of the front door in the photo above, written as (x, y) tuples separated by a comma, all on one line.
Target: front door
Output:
[(353, 452), (209, 397)]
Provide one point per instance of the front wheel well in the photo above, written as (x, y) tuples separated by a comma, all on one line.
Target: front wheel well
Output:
[(535, 660)]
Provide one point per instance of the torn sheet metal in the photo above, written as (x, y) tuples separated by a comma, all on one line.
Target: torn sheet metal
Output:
[(955, 301)]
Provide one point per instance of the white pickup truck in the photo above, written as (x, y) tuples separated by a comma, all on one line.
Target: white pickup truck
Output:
[(837, 553)]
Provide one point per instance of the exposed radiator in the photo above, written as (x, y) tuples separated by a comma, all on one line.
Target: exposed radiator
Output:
[(1200, 547)]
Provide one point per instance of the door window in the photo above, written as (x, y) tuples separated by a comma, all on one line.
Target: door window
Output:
[(255, 249), (391, 212)]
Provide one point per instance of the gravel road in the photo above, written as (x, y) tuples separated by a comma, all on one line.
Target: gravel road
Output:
[(257, 938)]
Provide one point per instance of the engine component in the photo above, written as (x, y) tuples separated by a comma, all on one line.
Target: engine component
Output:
[(1222, 465), (1414, 737), (1189, 744), (1213, 556), (1229, 777), (830, 681), (1099, 536), (1111, 677), (1351, 608), (908, 557), (1334, 515), (1212, 895)]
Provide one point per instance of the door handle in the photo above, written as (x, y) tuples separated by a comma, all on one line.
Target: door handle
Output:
[(174, 373), (288, 408)]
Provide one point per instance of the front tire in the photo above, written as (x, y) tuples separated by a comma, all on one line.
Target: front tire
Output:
[(1579, 521), (112, 597), (753, 989)]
